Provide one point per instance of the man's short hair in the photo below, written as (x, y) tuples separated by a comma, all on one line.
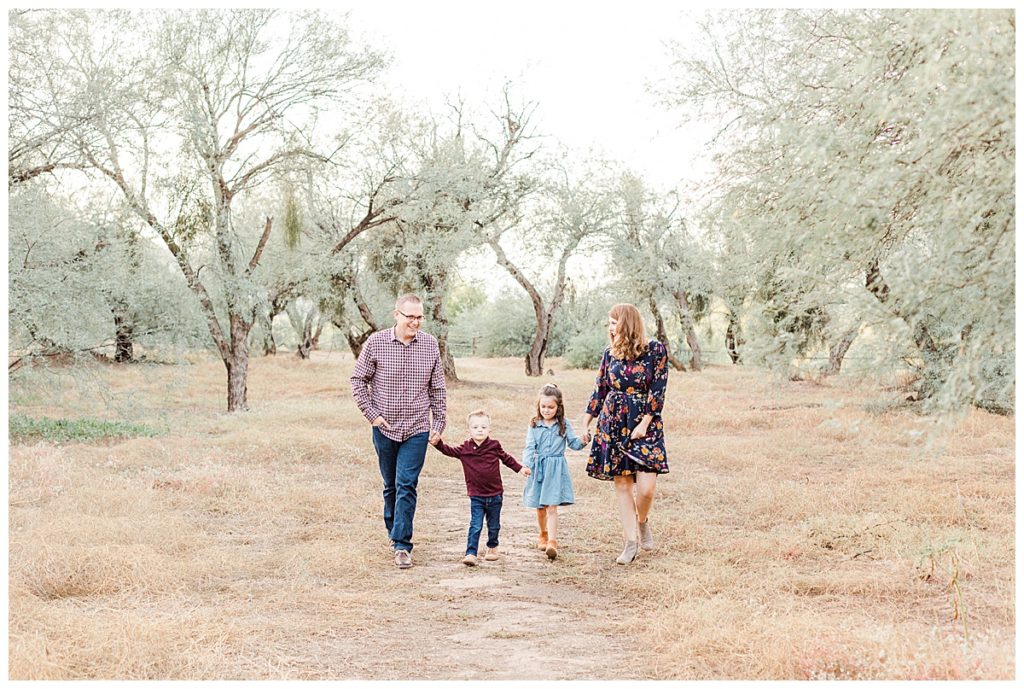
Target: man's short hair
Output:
[(477, 412), (405, 299)]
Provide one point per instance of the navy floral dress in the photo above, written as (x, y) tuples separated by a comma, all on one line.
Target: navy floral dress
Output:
[(626, 391)]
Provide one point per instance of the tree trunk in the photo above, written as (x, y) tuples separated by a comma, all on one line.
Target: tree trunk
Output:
[(238, 370), (267, 326), (310, 337), (344, 284), (662, 334), (837, 351), (686, 320), (439, 325), (732, 339), (315, 339), (535, 357), (237, 364), (124, 350), (876, 284), (306, 343), (355, 341), (447, 361)]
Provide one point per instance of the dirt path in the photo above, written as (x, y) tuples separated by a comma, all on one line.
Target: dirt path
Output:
[(504, 619)]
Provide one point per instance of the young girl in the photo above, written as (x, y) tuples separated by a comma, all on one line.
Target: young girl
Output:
[(549, 485)]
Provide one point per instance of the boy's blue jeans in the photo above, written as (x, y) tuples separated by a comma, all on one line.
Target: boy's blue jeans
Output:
[(400, 466), (479, 508)]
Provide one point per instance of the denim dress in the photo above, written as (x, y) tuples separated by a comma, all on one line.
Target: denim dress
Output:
[(549, 482)]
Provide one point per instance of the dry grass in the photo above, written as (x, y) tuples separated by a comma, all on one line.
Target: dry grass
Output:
[(805, 532)]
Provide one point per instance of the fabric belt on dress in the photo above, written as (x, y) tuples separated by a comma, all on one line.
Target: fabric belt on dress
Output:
[(538, 466), (634, 395)]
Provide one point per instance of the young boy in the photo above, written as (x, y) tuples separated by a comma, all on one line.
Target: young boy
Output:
[(479, 456)]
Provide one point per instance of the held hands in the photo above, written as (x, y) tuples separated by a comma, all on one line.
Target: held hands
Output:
[(526, 471), (434, 438)]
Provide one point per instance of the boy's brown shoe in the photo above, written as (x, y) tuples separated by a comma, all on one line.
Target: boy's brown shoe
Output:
[(469, 560)]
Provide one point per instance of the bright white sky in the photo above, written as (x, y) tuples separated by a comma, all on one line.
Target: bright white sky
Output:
[(586, 65)]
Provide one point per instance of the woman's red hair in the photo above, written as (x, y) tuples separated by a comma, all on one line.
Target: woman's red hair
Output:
[(630, 341)]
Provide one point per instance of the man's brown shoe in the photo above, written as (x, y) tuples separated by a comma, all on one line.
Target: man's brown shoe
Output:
[(403, 560)]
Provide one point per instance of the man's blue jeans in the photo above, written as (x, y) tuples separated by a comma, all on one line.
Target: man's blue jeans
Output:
[(400, 466), (478, 509)]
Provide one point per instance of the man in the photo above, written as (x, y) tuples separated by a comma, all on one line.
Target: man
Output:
[(398, 383)]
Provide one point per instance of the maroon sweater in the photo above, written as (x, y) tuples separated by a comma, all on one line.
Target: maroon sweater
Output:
[(480, 465)]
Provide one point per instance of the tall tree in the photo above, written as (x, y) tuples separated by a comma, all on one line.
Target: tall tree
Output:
[(464, 178), (228, 97), (656, 259), (869, 155), (79, 279), (569, 208)]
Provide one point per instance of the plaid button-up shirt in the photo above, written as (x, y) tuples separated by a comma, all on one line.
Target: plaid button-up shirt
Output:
[(404, 383)]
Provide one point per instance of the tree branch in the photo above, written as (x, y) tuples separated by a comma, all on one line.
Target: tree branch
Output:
[(259, 247)]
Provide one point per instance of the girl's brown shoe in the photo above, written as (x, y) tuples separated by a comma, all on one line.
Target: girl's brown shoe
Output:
[(552, 550)]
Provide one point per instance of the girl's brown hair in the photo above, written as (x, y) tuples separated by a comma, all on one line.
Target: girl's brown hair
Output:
[(630, 341), (551, 390)]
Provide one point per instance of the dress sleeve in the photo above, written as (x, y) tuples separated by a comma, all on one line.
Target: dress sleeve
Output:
[(530, 448), (571, 439), (602, 386), (657, 369)]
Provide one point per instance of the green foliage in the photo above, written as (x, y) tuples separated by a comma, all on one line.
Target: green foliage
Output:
[(505, 325), (464, 297), (23, 428), (586, 349), (194, 215), (61, 255), (866, 162), (292, 220)]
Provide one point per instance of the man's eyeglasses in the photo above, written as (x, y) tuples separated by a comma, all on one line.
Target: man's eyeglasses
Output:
[(411, 318)]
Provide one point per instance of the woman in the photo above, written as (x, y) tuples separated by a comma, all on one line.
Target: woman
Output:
[(629, 445)]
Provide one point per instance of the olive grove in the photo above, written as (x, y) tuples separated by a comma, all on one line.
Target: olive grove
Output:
[(186, 179)]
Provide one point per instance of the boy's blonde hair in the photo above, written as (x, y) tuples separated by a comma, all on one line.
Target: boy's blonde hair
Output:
[(477, 412)]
